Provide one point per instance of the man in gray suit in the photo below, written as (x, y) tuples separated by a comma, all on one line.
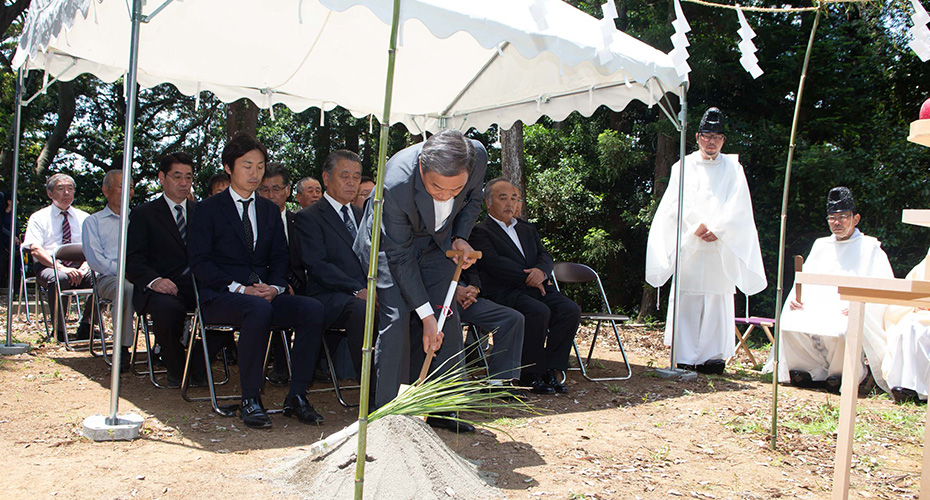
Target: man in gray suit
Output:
[(432, 196)]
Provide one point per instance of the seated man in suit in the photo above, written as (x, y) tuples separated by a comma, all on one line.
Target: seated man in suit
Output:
[(240, 258), (515, 270), (49, 228), (309, 191), (101, 249), (276, 186), (327, 230), (157, 263)]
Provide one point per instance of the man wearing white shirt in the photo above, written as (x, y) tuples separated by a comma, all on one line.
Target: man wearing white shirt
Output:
[(49, 228), (101, 249), (515, 270)]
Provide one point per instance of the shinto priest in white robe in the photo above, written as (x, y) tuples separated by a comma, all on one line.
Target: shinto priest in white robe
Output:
[(813, 339), (715, 194), (907, 356)]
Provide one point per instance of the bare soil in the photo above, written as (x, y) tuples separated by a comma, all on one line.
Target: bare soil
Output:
[(645, 437)]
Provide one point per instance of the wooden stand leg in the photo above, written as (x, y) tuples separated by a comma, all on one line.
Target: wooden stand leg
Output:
[(849, 394), (925, 468)]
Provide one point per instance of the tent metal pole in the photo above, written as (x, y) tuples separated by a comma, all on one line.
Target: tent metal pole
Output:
[(9, 347), (682, 118), (779, 295), (124, 209), (373, 260)]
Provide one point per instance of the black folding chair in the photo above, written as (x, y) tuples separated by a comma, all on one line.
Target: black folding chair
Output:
[(570, 272), (75, 253), (337, 388)]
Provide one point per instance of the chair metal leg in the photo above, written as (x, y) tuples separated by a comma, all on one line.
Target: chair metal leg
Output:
[(197, 331), (583, 365), (332, 374), (142, 324), (471, 331)]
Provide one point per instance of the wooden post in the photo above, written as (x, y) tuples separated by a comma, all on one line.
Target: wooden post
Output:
[(798, 267), (925, 468), (852, 362)]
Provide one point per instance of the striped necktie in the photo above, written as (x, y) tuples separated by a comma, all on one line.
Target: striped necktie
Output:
[(347, 220), (66, 234), (182, 224)]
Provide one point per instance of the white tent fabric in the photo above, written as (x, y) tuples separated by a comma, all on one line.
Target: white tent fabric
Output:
[(460, 63)]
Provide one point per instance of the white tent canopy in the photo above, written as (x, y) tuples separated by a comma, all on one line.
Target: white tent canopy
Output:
[(460, 64)]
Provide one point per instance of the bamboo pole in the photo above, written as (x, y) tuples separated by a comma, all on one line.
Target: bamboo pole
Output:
[(779, 300), (373, 261)]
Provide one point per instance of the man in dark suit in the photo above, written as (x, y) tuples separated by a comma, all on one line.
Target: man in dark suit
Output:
[(327, 230), (515, 270), (432, 194), (276, 187), (157, 262), (239, 256)]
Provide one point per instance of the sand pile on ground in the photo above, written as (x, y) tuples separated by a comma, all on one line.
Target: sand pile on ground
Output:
[(406, 460)]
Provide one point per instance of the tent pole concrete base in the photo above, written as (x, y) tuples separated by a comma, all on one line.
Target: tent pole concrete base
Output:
[(126, 427), (676, 373), (9, 350)]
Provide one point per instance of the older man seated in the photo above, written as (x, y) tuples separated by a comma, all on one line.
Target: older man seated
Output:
[(906, 367), (813, 331), (101, 249)]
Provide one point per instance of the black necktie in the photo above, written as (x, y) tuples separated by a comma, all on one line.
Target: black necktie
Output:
[(249, 237), (347, 220)]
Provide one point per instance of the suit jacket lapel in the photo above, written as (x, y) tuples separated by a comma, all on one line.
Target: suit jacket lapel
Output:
[(527, 242), (231, 211), (424, 202), (167, 218), (335, 220), (495, 227)]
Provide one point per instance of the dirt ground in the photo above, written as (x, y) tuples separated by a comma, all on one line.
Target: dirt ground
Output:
[(645, 437)]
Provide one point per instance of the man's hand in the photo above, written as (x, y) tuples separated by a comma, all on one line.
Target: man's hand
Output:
[(466, 295), (463, 246), (535, 278), (75, 276), (262, 290), (795, 305), (705, 234), (165, 286), (432, 337)]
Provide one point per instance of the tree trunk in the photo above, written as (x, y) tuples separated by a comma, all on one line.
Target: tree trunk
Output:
[(241, 116), (665, 157), (512, 159), (66, 107)]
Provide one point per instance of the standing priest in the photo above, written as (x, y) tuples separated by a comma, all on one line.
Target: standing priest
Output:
[(719, 249)]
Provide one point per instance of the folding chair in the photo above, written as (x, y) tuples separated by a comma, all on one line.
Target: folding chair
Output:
[(74, 253), (198, 332), (332, 371), (766, 324), (99, 304), (480, 343), (143, 324), (570, 272), (24, 283)]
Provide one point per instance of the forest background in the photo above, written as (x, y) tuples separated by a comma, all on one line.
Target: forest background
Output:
[(592, 183)]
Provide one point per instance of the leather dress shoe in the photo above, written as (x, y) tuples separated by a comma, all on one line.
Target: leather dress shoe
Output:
[(553, 382), (278, 378), (800, 378), (446, 421), (253, 414), (195, 380), (173, 382), (301, 408), (534, 382), (712, 367), (690, 368), (903, 395), (83, 332), (833, 384)]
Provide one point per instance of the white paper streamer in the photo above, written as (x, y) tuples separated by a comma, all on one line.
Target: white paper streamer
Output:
[(748, 49)]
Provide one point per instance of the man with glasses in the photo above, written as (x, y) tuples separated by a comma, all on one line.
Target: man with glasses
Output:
[(813, 327), (49, 228), (719, 249)]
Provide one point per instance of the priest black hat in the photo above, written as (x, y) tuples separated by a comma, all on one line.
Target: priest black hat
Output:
[(712, 122), (840, 199)]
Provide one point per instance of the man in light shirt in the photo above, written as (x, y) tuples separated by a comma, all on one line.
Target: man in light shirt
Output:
[(49, 228), (101, 249)]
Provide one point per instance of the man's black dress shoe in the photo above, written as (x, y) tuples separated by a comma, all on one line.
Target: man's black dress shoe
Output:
[(173, 381), (903, 395), (278, 378), (712, 367), (253, 414), (534, 381), (553, 382), (445, 421), (83, 332), (800, 378), (833, 384), (690, 368), (301, 408)]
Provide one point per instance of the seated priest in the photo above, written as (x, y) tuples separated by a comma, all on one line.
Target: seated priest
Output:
[(239, 256), (906, 367), (813, 329), (515, 270)]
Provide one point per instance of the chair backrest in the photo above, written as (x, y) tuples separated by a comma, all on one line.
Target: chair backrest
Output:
[(72, 251), (571, 272)]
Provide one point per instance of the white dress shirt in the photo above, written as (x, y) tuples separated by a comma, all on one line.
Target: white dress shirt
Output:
[(442, 209), (511, 231), (338, 207), (44, 227)]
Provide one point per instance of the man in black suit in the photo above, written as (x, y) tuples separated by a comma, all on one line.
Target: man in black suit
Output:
[(239, 256), (432, 194), (276, 187), (327, 230), (157, 262), (515, 270)]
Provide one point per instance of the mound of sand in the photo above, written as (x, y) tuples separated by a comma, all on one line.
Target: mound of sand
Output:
[(406, 460)]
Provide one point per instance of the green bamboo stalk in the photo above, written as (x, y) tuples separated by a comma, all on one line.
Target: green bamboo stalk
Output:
[(373, 261), (779, 300)]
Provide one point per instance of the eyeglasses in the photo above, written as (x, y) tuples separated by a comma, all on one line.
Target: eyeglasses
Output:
[(178, 177), (838, 217), (712, 137), (274, 189)]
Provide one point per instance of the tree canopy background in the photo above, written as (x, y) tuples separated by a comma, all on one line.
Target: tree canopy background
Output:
[(592, 182)]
